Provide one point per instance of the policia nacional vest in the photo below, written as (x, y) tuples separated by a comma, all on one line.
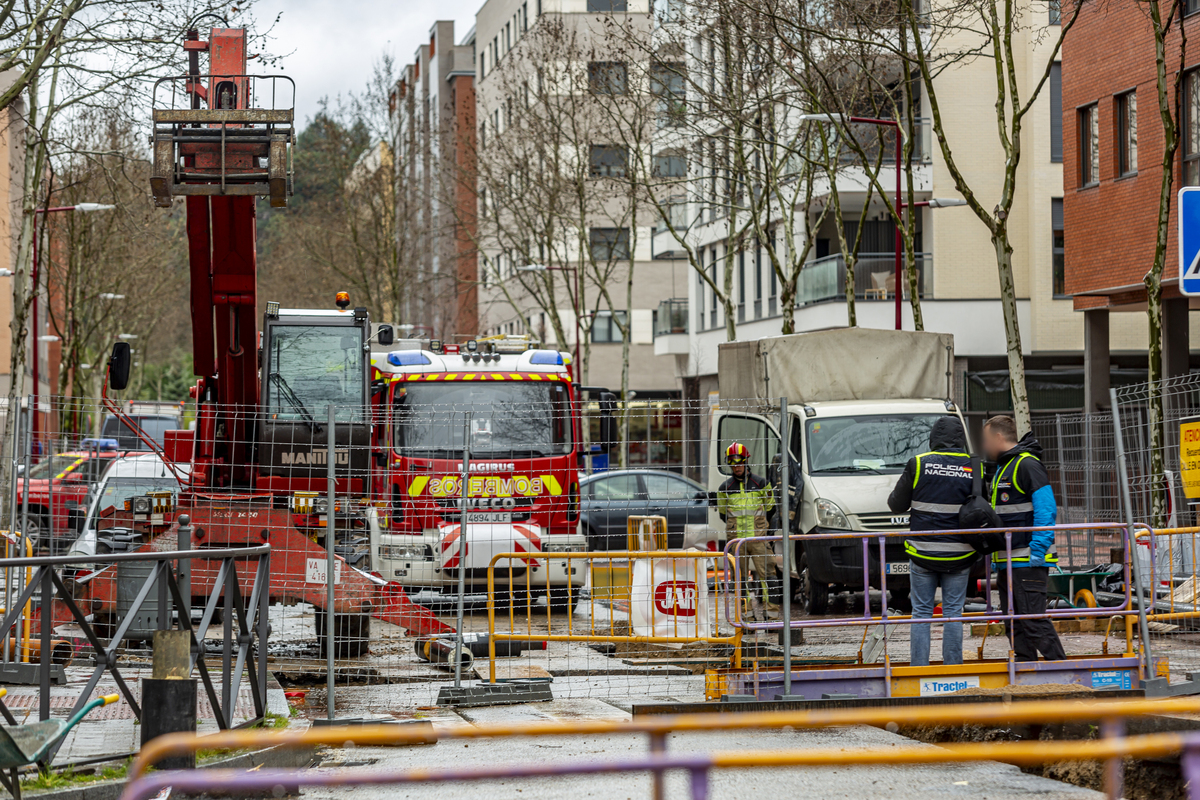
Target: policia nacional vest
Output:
[(941, 484), (1015, 508)]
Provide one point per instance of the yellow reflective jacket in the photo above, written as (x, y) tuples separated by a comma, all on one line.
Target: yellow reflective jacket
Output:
[(744, 505)]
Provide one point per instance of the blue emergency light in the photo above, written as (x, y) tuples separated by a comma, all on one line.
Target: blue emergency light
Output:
[(408, 358), (100, 444), (546, 357)]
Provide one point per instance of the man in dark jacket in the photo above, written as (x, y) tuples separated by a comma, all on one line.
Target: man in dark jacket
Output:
[(1021, 493), (932, 488)]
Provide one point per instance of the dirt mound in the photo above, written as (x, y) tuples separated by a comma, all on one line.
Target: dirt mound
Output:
[(1027, 690)]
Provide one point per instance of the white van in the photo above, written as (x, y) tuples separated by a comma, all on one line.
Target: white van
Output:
[(125, 478)]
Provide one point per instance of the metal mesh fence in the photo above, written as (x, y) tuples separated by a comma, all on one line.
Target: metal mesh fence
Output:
[(553, 476), (1165, 555)]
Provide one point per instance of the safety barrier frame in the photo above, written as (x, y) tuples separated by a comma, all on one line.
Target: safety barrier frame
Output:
[(1112, 747), (235, 656), (734, 547), (612, 555)]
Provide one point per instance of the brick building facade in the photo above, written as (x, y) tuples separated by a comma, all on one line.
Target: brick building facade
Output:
[(1112, 156)]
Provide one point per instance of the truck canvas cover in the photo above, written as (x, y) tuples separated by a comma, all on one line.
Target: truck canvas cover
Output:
[(842, 364)]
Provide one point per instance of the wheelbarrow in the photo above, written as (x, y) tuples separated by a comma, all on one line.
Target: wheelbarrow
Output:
[(21, 745)]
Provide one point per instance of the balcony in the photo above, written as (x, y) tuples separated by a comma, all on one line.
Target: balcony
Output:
[(663, 243), (874, 278), (671, 327)]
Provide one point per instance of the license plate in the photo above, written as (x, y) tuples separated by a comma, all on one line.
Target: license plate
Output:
[(897, 568), (502, 517)]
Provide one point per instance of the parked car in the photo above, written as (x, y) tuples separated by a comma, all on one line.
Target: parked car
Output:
[(608, 499), (68, 479), (154, 426)]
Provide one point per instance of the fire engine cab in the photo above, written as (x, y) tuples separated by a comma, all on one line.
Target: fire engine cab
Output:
[(513, 407)]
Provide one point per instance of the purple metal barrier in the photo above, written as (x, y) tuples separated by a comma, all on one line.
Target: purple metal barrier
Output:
[(698, 765), (733, 548)]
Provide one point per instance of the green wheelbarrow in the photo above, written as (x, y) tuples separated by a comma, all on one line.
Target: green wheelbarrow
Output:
[(21, 745)]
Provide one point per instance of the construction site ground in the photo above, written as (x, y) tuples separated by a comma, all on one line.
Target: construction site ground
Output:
[(588, 682)]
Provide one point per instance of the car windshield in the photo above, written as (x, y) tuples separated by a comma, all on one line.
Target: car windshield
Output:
[(52, 467), (507, 419), (877, 444), (312, 367), (115, 491)]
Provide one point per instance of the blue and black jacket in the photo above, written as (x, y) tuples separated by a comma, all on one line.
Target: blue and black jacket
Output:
[(1021, 493)]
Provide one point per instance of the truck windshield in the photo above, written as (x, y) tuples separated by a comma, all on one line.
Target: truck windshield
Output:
[(312, 366), (869, 444), (514, 420)]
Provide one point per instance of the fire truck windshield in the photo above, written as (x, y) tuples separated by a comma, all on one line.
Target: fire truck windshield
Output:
[(515, 420), (312, 366)]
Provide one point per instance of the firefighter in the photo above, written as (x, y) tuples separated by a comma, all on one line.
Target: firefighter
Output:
[(744, 502), (932, 488), (1021, 494)]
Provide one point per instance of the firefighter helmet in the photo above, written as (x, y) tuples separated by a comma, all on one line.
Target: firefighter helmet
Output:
[(737, 453)]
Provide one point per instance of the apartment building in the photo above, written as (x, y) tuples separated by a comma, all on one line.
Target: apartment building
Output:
[(12, 167), (955, 258), (1112, 181), (434, 106), (554, 180)]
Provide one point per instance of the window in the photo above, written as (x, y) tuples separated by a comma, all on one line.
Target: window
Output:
[(772, 299), (669, 166), (609, 244), (609, 161), (1089, 145), (606, 326), (1056, 112), (758, 265), (1126, 114), (667, 85), (608, 77), (668, 487), (1059, 253), (524, 17), (1191, 134), (700, 298), (618, 487), (741, 286), (1055, 12), (1191, 6), (607, 6), (712, 274)]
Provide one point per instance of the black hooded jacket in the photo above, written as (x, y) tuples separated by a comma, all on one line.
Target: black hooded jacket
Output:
[(946, 436), (932, 488)]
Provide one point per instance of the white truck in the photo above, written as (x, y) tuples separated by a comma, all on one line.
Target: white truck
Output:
[(860, 403)]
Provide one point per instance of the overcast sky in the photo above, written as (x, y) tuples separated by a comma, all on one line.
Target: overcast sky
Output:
[(332, 45)]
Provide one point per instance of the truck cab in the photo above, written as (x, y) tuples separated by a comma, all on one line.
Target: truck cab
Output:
[(513, 407)]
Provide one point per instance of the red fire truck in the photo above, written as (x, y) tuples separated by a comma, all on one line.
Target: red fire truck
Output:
[(514, 407)]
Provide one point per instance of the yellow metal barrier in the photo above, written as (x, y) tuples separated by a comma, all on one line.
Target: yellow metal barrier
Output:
[(1057, 711), (694, 575)]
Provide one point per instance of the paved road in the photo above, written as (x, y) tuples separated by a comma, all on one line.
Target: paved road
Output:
[(986, 781)]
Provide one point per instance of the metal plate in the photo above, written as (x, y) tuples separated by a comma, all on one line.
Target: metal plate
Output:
[(897, 567)]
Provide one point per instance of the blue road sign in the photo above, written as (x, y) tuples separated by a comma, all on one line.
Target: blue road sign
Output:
[(1189, 240)]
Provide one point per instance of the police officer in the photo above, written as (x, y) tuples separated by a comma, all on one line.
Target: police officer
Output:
[(932, 488), (744, 501), (1021, 494)]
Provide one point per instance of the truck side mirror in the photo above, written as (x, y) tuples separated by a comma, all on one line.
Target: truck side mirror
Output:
[(118, 366), (386, 335)]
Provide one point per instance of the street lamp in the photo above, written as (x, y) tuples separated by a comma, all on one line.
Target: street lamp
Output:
[(126, 335), (575, 304), (111, 296), (82, 208)]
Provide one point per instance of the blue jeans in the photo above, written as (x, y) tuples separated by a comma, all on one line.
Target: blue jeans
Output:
[(924, 583)]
